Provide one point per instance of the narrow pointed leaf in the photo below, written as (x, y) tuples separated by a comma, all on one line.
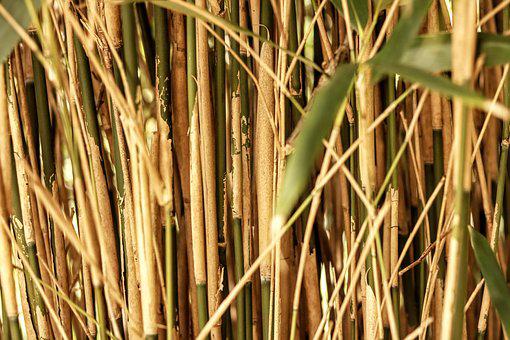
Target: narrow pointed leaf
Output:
[(405, 32), (388, 3), (358, 11), (493, 47), (316, 125), (494, 278), (442, 85)]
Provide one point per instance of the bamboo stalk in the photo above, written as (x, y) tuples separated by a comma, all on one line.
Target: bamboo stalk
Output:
[(263, 166), (497, 214), (100, 191), (147, 39), (26, 204), (130, 51), (246, 159), (237, 175), (11, 326), (463, 47), (207, 154), (180, 121), (221, 150), (166, 164), (49, 176)]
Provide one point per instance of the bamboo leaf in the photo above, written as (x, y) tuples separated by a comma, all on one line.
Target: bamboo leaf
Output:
[(405, 32), (358, 11), (322, 112), (20, 12), (496, 283), (494, 48), (442, 85), (388, 3), (437, 45)]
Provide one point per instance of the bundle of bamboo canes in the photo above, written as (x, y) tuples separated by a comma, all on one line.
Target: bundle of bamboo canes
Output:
[(254, 169)]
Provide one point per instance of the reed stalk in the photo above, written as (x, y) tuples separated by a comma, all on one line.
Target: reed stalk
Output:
[(207, 153), (145, 143), (237, 174), (166, 164), (180, 121), (463, 46), (263, 167), (100, 191)]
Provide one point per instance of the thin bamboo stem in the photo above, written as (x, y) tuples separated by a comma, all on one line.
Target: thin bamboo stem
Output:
[(463, 47)]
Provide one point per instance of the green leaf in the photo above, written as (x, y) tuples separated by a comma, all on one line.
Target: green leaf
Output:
[(358, 11), (388, 3), (495, 48), (442, 85), (404, 33), (494, 278), (8, 36), (317, 123), (430, 52)]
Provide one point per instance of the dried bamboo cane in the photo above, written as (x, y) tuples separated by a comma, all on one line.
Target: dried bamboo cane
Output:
[(264, 163)]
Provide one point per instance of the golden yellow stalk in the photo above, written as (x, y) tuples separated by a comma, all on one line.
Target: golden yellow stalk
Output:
[(197, 208), (207, 153), (264, 156), (180, 122), (5, 139), (6, 267)]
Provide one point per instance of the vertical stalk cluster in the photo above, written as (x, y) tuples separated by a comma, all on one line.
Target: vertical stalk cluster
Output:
[(249, 169)]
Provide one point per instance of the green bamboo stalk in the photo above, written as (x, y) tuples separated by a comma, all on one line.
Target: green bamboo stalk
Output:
[(192, 103), (236, 154), (49, 176), (10, 325), (100, 310), (220, 161), (148, 41), (85, 79), (110, 234), (43, 122), (20, 239), (207, 153), (129, 48), (22, 218), (171, 274), (89, 108), (32, 111), (163, 81), (246, 154)]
